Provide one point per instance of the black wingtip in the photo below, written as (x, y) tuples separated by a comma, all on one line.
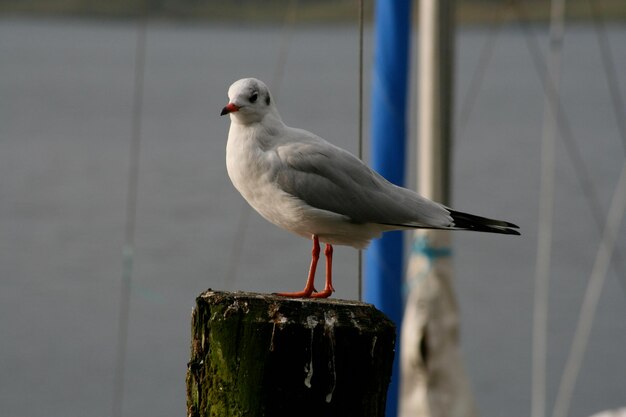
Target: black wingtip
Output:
[(482, 224), (508, 231)]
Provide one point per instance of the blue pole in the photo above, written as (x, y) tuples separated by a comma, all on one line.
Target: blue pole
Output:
[(384, 258)]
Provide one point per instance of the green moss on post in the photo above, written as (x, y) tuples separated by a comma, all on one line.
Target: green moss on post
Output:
[(258, 355)]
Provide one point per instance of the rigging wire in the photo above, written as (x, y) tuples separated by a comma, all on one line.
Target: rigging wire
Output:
[(609, 69), (289, 24), (546, 213), (607, 254), (609, 238), (478, 76), (608, 247), (592, 297), (242, 224), (567, 136), (279, 73), (360, 134), (131, 218), (237, 247)]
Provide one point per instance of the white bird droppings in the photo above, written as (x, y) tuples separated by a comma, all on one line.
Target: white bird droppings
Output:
[(311, 323), (330, 319), (373, 346)]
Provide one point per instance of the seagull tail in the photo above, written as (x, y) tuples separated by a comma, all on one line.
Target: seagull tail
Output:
[(466, 221)]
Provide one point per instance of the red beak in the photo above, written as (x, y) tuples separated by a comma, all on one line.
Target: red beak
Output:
[(230, 108)]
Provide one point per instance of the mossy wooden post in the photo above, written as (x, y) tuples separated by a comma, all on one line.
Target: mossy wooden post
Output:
[(262, 355)]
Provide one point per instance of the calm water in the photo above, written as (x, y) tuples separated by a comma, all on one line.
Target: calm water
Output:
[(66, 96)]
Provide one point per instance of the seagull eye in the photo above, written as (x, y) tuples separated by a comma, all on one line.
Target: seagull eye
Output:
[(253, 97)]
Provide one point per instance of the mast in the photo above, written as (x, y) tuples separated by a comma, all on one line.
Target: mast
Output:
[(433, 381)]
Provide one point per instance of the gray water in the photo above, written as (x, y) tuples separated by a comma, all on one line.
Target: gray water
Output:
[(66, 97)]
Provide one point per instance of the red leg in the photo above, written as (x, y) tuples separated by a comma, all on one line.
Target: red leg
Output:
[(310, 282), (328, 287)]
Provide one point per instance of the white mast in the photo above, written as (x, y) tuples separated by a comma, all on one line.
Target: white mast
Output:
[(433, 381)]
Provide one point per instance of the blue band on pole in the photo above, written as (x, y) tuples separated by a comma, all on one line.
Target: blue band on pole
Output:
[(421, 247), (384, 259)]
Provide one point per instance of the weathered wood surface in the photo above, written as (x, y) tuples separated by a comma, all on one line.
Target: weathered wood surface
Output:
[(263, 355)]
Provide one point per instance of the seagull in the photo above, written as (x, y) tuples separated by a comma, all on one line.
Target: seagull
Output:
[(308, 186)]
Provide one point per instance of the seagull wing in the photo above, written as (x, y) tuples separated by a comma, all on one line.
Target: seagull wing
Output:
[(329, 178)]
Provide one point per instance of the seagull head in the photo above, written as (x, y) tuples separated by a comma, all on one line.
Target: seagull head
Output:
[(248, 101)]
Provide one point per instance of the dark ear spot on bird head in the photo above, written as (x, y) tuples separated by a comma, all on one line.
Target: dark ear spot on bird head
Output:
[(267, 100)]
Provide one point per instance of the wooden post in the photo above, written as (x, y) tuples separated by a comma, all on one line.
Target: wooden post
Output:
[(263, 355)]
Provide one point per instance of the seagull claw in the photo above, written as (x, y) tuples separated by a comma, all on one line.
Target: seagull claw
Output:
[(306, 293), (325, 293)]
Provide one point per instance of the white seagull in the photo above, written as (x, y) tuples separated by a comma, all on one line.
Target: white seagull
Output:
[(306, 185)]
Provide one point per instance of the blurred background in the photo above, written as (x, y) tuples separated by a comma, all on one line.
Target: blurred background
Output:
[(67, 80)]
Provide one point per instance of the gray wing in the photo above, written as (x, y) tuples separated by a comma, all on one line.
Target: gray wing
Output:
[(329, 178)]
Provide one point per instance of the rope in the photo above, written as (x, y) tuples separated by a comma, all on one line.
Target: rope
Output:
[(131, 219)]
